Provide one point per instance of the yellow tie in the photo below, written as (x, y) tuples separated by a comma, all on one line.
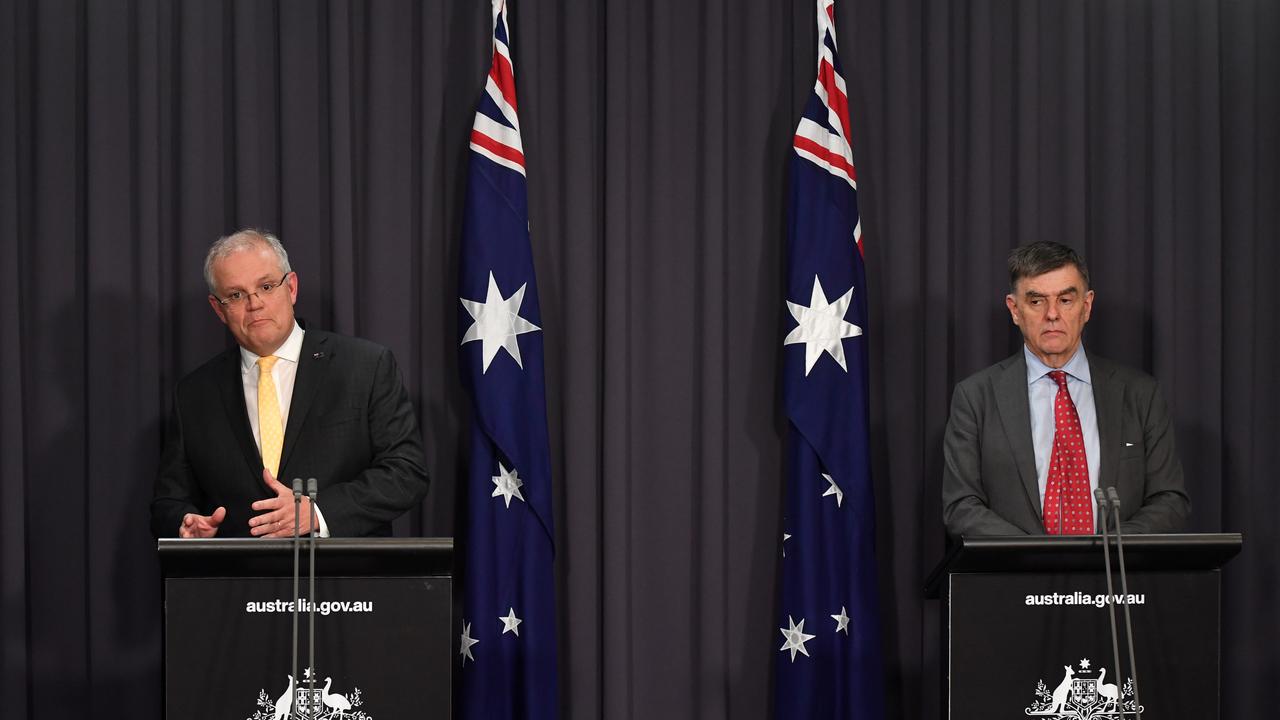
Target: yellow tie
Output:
[(269, 426)]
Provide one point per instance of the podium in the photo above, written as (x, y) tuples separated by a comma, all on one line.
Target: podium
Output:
[(1027, 628), (382, 629)]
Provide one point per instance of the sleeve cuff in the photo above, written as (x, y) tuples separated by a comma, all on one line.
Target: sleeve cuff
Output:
[(324, 527)]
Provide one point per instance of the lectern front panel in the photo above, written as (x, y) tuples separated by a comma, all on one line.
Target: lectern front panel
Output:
[(381, 649), (1039, 645)]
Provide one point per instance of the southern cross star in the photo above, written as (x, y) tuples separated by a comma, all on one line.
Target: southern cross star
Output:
[(511, 623), (821, 326), (466, 641), (842, 621), (833, 489), (497, 323), (796, 638), (508, 484)]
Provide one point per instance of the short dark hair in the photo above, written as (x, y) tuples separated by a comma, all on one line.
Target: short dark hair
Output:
[(1041, 257)]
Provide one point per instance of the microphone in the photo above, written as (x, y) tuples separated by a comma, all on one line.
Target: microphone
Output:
[(313, 489), (1124, 588), (297, 502), (1100, 495)]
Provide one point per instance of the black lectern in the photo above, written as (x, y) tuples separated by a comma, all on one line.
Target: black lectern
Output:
[(1028, 629), (382, 626)]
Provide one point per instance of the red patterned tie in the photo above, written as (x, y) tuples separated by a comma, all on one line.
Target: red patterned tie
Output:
[(1067, 491)]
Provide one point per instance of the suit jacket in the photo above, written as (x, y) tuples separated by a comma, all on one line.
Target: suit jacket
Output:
[(351, 426), (989, 484)]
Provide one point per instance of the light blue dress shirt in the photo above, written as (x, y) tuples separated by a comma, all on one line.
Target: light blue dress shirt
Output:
[(1041, 391)]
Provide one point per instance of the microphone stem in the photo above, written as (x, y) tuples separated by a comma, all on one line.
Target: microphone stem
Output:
[(297, 503), (311, 609), (1128, 621), (1111, 591)]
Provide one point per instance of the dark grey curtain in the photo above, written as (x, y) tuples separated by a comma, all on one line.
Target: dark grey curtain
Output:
[(133, 132)]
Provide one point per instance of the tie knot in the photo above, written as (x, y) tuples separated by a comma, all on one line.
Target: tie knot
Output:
[(1059, 377), (266, 363)]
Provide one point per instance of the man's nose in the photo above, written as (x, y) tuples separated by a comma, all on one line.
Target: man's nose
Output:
[(253, 302)]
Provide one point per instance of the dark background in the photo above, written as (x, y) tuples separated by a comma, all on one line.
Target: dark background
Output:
[(134, 132)]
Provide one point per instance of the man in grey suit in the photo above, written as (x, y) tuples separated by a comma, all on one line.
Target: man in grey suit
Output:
[(289, 403), (1000, 437)]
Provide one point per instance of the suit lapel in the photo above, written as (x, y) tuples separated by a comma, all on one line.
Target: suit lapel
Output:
[(1108, 401), (231, 389), (1015, 416), (313, 365)]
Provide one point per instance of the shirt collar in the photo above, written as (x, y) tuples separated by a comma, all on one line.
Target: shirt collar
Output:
[(1077, 367), (291, 350)]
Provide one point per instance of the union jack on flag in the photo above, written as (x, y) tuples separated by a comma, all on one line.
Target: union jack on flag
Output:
[(495, 134), (830, 664), (507, 646)]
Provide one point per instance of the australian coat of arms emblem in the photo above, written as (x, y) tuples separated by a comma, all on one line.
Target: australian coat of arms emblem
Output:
[(1084, 695), (299, 701)]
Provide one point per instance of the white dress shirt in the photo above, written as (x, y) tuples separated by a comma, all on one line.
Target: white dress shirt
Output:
[(284, 373), (1041, 392)]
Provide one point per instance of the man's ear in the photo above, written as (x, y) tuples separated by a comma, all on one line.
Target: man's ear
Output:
[(218, 309), (1012, 304)]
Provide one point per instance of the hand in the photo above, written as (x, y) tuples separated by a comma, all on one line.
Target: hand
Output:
[(276, 514), (201, 526)]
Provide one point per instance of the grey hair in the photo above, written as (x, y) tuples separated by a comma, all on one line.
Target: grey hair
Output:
[(245, 239), (1041, 257)]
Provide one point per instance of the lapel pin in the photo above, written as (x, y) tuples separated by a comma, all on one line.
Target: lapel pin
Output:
[(318, 355)]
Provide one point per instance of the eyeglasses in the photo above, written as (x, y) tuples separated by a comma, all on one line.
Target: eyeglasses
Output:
[(239, 297)]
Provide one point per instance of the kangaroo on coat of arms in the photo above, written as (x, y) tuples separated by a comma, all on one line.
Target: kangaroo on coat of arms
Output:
[(303, 701), (1080, 696)]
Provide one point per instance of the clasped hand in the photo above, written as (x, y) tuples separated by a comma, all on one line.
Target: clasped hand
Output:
[(276, 514), (275, 518)]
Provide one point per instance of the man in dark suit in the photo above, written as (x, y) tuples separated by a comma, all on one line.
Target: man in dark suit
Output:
[(289, 403), (1032, 436)]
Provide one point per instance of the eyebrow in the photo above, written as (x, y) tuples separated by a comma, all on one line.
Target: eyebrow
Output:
[(259, 281), (1073, 290)]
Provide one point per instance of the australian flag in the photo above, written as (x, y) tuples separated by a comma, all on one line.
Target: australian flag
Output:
[(830, 665), (507, 646)]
